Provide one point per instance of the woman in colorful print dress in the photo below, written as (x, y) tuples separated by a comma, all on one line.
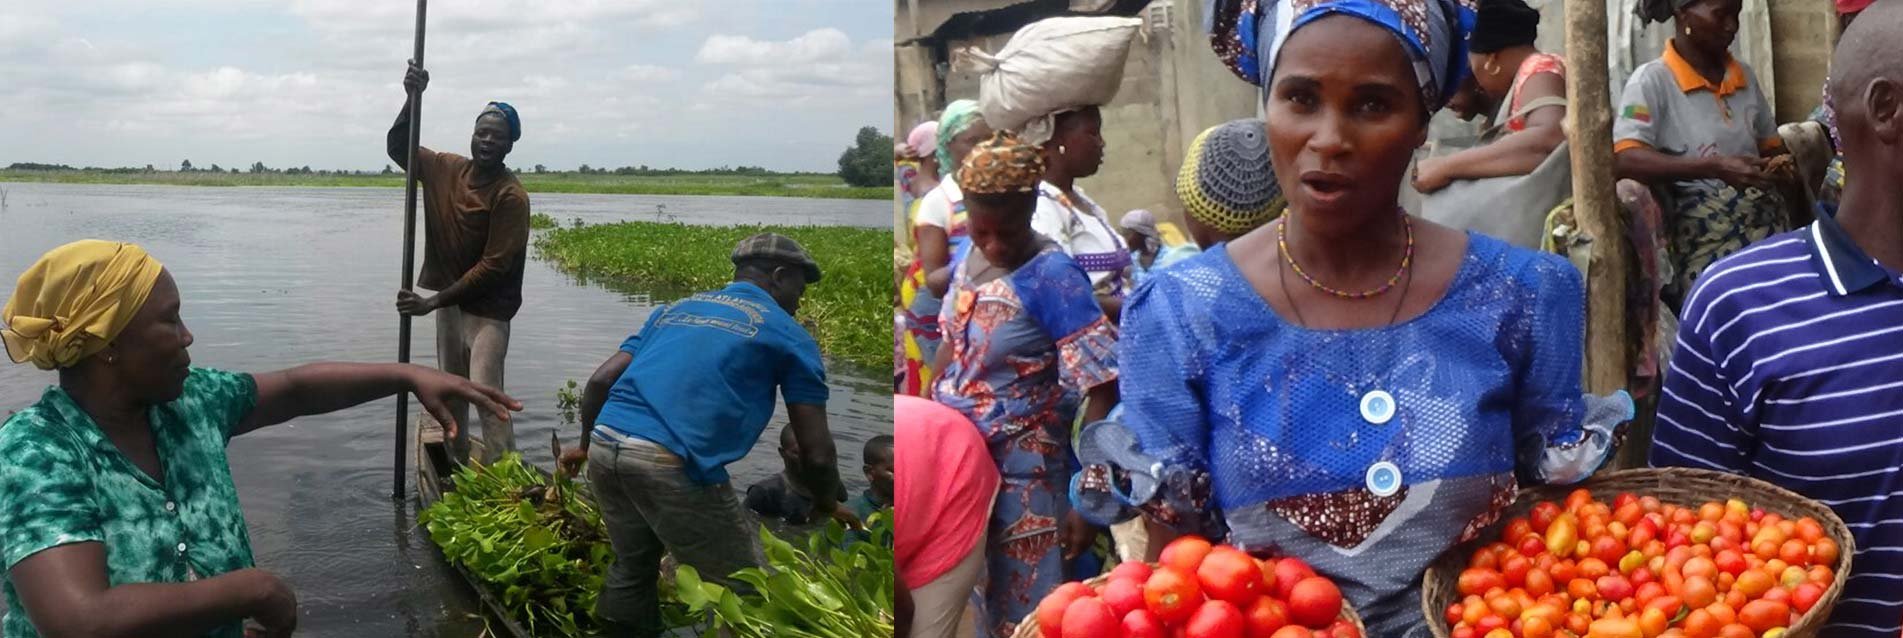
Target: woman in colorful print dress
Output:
[(1022, 330), (118, 516), (1348, 385), (939, 227)]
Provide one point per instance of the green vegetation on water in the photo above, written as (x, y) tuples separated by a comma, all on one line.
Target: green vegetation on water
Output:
[(848, 310), (835, 587), (536, 540), (768, 185)]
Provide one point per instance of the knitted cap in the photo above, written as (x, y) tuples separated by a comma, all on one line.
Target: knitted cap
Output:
[(1226, 181)]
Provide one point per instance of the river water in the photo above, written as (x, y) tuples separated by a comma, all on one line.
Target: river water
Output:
[(274, 277)]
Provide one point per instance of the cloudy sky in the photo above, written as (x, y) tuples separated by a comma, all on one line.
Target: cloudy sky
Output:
[(783, 84)]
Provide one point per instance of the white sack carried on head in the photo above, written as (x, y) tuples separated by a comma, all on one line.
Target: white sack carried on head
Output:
[(1051, 66)]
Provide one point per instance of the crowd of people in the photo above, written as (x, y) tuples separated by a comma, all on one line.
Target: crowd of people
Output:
[(1320, 374)]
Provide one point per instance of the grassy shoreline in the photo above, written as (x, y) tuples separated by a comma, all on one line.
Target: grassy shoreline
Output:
[(848, 310), (809, 186)]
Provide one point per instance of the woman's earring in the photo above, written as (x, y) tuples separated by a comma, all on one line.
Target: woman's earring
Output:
[(1688, 30), (1060, 149)]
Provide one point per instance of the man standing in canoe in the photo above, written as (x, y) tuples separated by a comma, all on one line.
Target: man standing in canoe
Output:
[(687, 395), (476, 230), (1787, 363)]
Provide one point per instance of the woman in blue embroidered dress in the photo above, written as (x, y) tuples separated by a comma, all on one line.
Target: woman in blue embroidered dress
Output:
[(1348, 385), (1021, 330)]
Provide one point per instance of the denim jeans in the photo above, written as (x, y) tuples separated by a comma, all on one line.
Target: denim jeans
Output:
[(651, 507)]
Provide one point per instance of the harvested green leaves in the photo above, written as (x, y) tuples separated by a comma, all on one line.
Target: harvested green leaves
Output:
[(838, 586)]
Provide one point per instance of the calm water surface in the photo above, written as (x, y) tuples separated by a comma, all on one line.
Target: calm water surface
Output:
[(274, 277)]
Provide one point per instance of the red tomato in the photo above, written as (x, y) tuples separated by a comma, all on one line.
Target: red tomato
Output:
[(1533, 545), (1344, 629), (1088, 618), (1228, 574), (1292, 631), (1050, 611), (1514, 570), (1543, 515), (1608, 550), (1805, 596), (1215, 619), (1142, 624), (1132, 570), (1314, 602), (1472, 582), (1764, 615), (1730, 561), (1172, 595), (1185, 554), (1516, 529), (1123, 596), (1289, 571), (1539, 583), (1265, 616), (1578, 499), (1614, 587)]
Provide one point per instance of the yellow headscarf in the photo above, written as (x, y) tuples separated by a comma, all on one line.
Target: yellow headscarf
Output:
[(75, 300)]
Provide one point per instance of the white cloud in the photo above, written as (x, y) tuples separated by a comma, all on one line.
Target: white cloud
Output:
[(814, 46), (646, 73), (818, 67)]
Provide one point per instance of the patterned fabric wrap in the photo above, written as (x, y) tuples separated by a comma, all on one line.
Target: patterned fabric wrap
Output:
[(1250, 34), (1240, 425), (958, 116), (1002, 164), (1711, 220), (1020, 343), (1226, 181)]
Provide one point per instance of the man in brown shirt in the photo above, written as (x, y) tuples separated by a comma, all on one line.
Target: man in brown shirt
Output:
[(476, 234)]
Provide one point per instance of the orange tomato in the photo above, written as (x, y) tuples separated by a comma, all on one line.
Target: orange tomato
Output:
[(1754, 583), (1652, 622), (1505, 606), (1723, 614), (1536, 628), (1764, 549), (1809, 530), (1577, 499), (1649, 592), (1564, 571), (1805, 596), (1764, 615), (1484, 558), (1735, 630), (1698, 591), (1699, 566), (1578, 624), (1711, 512), (1615, 628), (1538, 582), (1593, 568), (1729, 561), (1699, 624), (1735, 599), (1821, 575), (1477, 581), (1824, 552), (1795, 552), (1582, 589)]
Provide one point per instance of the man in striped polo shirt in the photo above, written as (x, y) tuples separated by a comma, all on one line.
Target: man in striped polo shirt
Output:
[(1789, 358), (1789, 363)]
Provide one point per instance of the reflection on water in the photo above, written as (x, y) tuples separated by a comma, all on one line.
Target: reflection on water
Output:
[(273, 277)]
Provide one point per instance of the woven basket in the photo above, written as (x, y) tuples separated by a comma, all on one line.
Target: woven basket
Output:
[(1028, 627), (1675, 486)]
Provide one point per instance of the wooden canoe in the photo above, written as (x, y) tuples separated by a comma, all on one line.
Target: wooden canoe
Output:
[(433, 470)]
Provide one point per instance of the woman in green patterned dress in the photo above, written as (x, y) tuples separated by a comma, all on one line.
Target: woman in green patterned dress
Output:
[(118, 516)]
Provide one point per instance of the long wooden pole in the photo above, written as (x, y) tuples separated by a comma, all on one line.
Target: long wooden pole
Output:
[(409, 257), (1589, 127)]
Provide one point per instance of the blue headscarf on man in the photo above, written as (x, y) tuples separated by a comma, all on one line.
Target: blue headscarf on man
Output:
[(508, 113)]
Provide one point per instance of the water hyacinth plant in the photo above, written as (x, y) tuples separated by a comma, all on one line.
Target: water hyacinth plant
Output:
[(847, 311), (537, 540), (838, 586)]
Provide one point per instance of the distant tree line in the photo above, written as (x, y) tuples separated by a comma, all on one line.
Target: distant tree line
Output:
[(868, 162), (260, 168)]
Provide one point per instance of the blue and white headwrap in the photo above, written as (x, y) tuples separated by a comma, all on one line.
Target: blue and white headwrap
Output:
[(508, 113), (1249, 34)]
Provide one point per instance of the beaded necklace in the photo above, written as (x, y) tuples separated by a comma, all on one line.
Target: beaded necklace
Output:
[(1407, 259)]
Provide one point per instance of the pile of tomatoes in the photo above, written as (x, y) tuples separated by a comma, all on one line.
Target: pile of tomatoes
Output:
[(1639, 568), (1197, 590)]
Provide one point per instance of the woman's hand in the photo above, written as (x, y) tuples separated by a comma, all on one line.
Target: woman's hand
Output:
[(435, 389), (1742, 172), (1428, 177), (276, 608), (1076, 535)]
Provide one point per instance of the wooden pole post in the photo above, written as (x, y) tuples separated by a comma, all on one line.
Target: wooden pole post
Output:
[(1589, 128), (409, 258)]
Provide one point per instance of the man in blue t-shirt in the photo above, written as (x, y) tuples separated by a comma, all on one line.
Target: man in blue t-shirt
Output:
[(687, 395)]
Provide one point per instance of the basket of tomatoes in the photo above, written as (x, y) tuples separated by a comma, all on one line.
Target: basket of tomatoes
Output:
[(1675, 552), (1197, 590)]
